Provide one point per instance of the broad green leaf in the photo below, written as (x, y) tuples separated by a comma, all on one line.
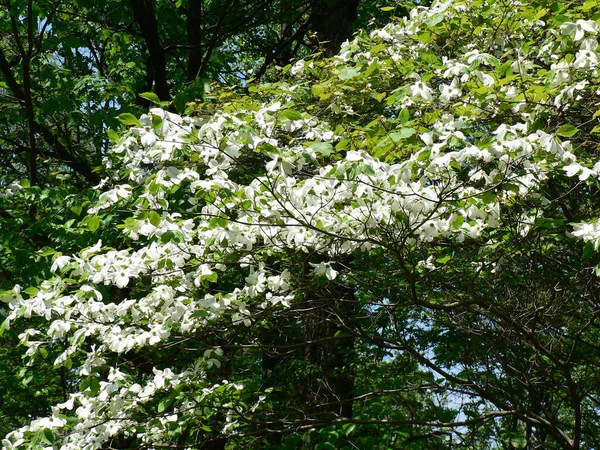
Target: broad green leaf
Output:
[(404, 133), (567, 130), (93, 223), (150, 96), (47, 251), (112, 135), (588, 251), (404, 116), (129, 119), (435, 19), (154, 218), (31, 291), (323, 148), (291, 114), (348, 73)]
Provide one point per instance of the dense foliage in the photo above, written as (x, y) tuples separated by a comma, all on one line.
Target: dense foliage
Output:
[(396, 247), (67, 71)]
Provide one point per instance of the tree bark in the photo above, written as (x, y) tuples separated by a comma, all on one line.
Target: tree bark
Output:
[(332, 22), (333, 357), (195, 38), (143, 13)]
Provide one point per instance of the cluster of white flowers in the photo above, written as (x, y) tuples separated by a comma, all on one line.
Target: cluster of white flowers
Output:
[(448, 188)]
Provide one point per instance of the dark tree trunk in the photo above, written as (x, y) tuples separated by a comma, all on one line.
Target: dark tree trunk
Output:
[(143, 13), (195, 38), (331, 22), (330, 351)]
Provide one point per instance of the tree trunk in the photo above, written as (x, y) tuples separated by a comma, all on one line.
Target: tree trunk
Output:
[(195, 38), (332, 22), (331, 351), (143, 13)]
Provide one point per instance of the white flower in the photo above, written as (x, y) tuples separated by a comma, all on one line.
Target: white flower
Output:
[(383, 34), (273, 107), (59, 263), (427, 138), (561, 73), (324, 268), (588, 232), (578, 29), (353, 156), (450, 91), (66, 405), (149, 139), (427, 263), (585, 59), (421, 90), (484, 78), (298, 67)]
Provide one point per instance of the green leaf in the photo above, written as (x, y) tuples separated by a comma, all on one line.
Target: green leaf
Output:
[(424, 37), (348, 428), (213, 277), (423, 155), (154, 218), (431, 59), (588, 251), (378, 48), (94, 385), (404, 116), (567, 130), (157, 123), (320, 91), (49, 435), (112, 135), (348, 73), (46, 251), (459, 221), (323, 148), (291, 114), (93, 223), (180, 101), (32, 291), (387, 8), (151, 96), (435, 19), (518, 441), (3, 328), (162, 406), (368, 170), (589, 4), (404, 133), (129, 119), (488, 197), (76, 209)]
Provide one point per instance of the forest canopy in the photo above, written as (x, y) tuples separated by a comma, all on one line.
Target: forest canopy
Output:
[(391, 246)]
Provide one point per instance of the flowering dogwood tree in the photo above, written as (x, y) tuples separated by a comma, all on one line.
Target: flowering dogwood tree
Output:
[(393, 247)]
